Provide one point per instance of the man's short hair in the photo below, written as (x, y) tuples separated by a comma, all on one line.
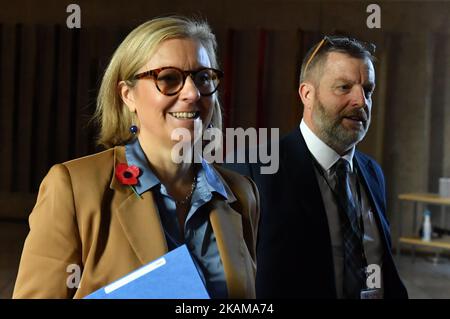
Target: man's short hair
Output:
[(316, 56)]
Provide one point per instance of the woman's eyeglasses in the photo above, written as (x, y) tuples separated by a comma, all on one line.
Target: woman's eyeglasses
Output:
[(170, 80)]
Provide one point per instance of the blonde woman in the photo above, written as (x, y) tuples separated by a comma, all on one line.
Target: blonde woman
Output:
[(112, 212)]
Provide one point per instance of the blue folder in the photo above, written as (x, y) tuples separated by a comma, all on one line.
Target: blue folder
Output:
[(173, 276)]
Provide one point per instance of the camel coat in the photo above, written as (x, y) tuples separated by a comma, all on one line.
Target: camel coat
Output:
[(85, 217)]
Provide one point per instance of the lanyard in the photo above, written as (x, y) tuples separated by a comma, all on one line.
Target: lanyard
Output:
[(336, 198)]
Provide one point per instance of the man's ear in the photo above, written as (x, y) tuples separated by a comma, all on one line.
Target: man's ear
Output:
[(306, 93), (127, 95)]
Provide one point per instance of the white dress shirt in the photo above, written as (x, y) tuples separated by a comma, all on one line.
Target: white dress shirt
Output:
[(327, 157)]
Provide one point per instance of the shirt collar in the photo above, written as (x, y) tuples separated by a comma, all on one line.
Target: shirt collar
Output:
[(214, 181), (135, 156), (323, 153)]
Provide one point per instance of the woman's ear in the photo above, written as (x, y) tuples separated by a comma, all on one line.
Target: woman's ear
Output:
[(127, 95)]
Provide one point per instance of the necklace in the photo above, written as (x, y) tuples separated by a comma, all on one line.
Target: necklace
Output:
[(187, 199)]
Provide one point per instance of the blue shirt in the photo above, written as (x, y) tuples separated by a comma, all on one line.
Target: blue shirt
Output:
[(198, 234)]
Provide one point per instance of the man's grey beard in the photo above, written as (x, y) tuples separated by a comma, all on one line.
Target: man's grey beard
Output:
[(332, 132)]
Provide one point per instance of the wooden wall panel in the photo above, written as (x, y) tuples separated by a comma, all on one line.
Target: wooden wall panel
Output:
[(23, 108), (45, 83), (7, 76), (82, 103), (438, 106), (64, 85), (245, 79)]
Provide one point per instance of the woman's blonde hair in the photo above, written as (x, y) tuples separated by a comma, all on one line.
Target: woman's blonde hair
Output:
[(112, 115)]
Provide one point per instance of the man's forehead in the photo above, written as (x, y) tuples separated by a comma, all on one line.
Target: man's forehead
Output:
[(343, 66)]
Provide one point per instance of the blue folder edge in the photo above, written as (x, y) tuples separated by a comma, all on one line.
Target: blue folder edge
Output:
[(172, 276)]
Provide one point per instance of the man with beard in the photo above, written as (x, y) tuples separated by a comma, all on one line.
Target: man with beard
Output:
[(323, 228)]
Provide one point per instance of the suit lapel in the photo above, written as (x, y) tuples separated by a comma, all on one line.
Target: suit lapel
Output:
[(227, 227), (303, 181), (308, 211), (373, 194), (138, 217)]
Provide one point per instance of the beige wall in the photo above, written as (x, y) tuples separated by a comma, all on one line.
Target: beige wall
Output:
[(446, 139)]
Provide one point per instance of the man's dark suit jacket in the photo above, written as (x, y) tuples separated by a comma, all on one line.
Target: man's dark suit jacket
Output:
[(294, 253)]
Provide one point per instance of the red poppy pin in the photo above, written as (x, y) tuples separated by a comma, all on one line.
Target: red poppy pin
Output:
[(128, 175)]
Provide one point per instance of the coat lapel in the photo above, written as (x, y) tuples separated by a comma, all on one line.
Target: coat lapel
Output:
[(303, 181), (138, 217), (375, 198), (142, 226), (308, 214), (227, 227)]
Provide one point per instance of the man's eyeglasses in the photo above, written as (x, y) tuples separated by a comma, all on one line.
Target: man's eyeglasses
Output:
[(170, 80), (336, 41)]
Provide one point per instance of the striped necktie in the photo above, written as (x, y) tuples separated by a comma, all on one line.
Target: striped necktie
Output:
[(354, 260)]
